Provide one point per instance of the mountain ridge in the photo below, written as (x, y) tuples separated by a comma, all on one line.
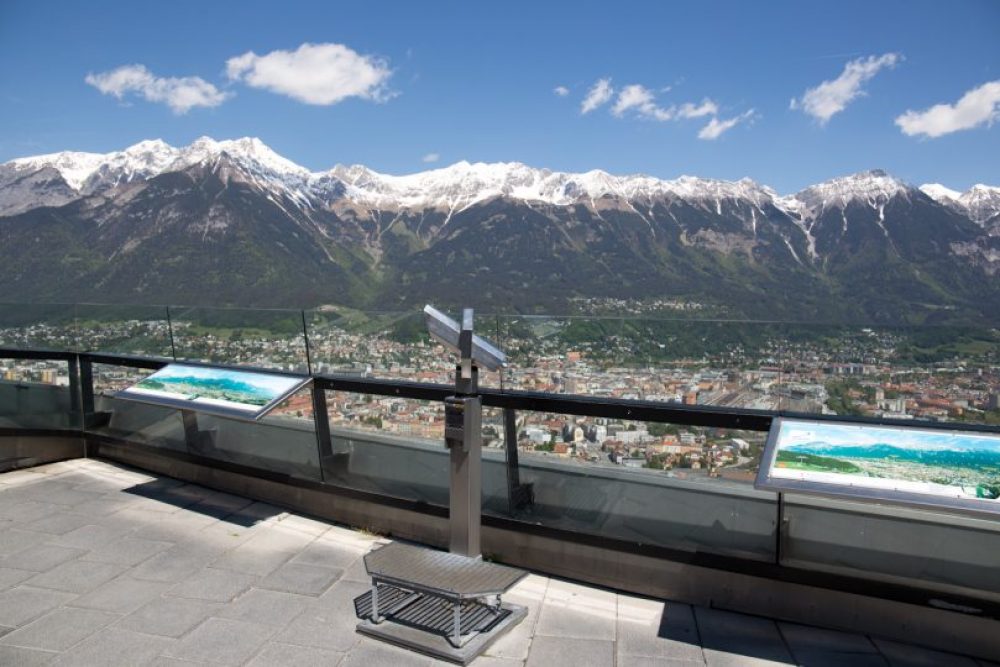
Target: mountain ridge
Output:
[(234, 223)]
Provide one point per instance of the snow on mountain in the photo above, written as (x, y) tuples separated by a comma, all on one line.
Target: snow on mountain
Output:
[(463, 184), (982, 202), (75, 167), (873, 187), (451, 188), (942, 194)]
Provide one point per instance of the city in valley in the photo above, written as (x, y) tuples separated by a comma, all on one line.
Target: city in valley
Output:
[(855, 371)]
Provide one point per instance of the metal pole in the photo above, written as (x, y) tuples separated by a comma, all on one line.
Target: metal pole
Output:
[(74, 389), (510, 450), (170, 331), (324, 446), (305, 337), (87, 385)]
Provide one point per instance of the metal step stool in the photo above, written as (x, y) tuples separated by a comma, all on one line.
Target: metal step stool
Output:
[(441, 604)]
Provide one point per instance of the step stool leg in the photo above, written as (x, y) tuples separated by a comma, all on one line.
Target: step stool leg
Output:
[(457, 631)]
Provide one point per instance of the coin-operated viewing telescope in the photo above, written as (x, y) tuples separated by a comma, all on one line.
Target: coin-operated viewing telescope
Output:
[(463, 415)]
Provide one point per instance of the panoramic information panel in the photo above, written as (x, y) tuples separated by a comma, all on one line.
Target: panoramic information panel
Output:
[(911, 466), (220, 391)]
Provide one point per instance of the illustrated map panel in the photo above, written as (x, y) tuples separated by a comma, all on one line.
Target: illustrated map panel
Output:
[(244, 394), (951, 467)]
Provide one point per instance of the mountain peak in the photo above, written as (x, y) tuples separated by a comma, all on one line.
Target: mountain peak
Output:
[(873, 187)]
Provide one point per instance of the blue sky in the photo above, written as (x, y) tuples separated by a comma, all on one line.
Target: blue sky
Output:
[(468, 81)]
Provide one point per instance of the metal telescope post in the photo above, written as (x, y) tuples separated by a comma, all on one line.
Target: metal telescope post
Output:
[(463, 436)]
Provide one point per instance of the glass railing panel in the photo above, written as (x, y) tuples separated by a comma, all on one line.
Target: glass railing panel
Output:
[(35, 393), (136, 330), (109, 379), (278, 445), (38, 326), (387, 445), (240, 336), (944, 551), (679, 487)]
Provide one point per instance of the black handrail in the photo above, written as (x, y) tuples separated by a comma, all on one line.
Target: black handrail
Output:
[(570, 404)]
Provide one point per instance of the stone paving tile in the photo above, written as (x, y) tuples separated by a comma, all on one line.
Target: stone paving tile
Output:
[(371, 653), (42, 557), (328, 623), (656, 629), (101, 507), (491, 661), (24, 603), (165, 661), (128, 551), (213, 585), (326, 553), (77, 576), (90, 537), (173, 565), (530, 593), (219, 504), (64, 494), (175, 527), (60, 523), (113, 646), (265, 607), (13, 540), (28, 511), (290, 655), (169, 617), (814, 658), (907, 655), (222, 641), (10, 577), (574, 610), (122, 595), (301, 579), (260, 555), (60, 629), (14, 656), (727, 636), (809, 638), (570, 651)]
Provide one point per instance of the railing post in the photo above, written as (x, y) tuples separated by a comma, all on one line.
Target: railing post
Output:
[(87, 385), (510, 451), (74, 389), (170, 331), (305, 337), (324, 445)]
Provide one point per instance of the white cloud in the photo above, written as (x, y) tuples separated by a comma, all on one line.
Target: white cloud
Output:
[(977, 107), (180, 94), (832, 97), (706, 108), (599, 94), (431, 157), (634, 97), (320, 74), (561, 91), (642, 101), (715, 127)]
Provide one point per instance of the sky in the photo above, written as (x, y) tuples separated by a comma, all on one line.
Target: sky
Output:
[(786, 93)]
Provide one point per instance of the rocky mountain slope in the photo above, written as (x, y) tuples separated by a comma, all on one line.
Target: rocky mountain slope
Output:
[(232, 222)]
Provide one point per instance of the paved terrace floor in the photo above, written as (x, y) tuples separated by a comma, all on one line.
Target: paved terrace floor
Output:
[(104, 565)]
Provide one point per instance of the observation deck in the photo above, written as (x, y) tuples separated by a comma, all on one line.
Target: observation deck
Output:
[(120, 535)]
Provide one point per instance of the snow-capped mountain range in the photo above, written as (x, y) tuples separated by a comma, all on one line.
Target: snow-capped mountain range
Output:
[(451, 188), (233, 222)]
